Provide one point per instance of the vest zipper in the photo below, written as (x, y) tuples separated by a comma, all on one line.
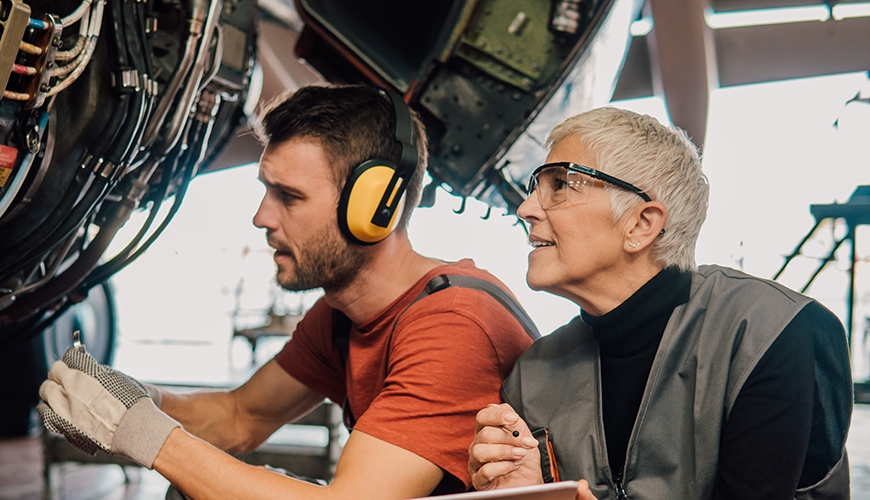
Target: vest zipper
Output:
[(620, 490), (618, 487)]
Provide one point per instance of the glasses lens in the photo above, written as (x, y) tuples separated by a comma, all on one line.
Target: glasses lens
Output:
[(557, 185)]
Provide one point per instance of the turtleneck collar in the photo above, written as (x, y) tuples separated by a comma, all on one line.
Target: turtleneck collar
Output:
[(643, 316)]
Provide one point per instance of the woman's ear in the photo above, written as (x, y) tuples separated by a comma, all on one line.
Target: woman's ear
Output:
[(645, 225)]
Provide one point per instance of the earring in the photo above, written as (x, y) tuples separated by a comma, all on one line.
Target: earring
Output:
[(634, 245)]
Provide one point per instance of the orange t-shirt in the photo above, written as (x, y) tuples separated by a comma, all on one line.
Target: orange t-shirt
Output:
[(448, 356)]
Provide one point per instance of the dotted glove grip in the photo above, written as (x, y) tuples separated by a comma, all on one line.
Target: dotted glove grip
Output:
[(74, 435), (98, 408)]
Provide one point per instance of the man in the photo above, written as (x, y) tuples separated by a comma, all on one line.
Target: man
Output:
[(331, 153), (675, 381)]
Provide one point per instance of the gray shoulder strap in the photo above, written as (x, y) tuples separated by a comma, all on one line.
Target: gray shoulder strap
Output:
[(443, 281)]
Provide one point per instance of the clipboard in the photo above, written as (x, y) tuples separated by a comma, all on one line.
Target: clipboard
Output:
[(564, 490)]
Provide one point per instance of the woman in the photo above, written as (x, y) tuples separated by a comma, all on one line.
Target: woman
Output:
[(674, 381)]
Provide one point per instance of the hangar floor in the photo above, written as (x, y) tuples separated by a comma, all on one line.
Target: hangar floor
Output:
[(21, 472)]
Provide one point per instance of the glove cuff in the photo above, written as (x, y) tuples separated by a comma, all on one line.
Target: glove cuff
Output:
[(141, 433)]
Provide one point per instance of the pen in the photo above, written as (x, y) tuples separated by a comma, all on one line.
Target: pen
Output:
[(512, 432)]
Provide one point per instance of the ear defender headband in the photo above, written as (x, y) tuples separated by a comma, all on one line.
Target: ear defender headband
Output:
[(369, 205)]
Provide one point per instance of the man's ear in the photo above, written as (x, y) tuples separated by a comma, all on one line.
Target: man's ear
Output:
[(645, 225)]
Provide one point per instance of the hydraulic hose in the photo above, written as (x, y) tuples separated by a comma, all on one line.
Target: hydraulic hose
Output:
[(192, 89), (140, 53), (198, 13), (199, 133), (53, 291), (119, 132), (68, 222), (106, 270), (32, 237), (127, 55)]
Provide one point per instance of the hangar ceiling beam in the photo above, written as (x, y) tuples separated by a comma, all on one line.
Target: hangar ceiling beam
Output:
[(683, 62)]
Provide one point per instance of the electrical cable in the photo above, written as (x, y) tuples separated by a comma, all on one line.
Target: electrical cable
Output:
[(47, 274), (36, 235), (78, 52), (15, 96), (139, 28), (29, 48), (189, 93), (96, 19), (36, 24), (66, 55), (77, 14), (23, 70), (176, 205), (216, 60)]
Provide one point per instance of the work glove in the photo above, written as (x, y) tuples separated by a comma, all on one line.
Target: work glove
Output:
[(98, 408)]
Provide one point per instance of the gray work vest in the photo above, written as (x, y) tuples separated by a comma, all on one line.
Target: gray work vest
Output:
[(708, 349)]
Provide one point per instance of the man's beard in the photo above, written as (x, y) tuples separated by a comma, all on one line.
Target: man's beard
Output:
[(326, 261)]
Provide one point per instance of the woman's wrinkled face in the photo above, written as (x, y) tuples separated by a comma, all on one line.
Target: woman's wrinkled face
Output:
[(574, 245)]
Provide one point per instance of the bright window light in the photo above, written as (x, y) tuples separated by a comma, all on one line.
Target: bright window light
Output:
[(847, 10), (759, 17)]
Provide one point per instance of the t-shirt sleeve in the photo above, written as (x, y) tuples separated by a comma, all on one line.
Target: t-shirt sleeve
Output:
[(444, 366), (311, 357)]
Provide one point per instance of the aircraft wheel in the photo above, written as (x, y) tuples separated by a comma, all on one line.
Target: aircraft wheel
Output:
[(23, 367)]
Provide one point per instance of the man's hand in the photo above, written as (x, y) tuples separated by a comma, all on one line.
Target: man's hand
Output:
[(503, 454), (98, 408)]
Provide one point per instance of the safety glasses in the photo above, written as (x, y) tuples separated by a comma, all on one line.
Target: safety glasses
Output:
[(569, 183)]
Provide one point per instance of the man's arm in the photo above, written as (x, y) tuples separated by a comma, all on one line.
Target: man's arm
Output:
[(96, 407), (369, 468), (240, 420)]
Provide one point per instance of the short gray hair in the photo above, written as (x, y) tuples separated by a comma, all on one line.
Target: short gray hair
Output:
[(660, 160)]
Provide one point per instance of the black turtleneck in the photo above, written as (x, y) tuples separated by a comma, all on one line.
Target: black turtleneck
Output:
[(768, 431), (628, 338)]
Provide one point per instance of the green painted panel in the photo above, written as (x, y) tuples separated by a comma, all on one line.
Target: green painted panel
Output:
[(511, 41)]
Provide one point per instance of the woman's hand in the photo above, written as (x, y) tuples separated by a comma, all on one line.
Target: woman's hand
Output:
[(503, 454), (583, 492)]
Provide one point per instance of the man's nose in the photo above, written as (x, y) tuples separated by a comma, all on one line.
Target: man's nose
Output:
[(262, 218)]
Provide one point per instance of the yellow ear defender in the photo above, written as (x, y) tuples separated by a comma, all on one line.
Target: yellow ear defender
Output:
[(370, 202)]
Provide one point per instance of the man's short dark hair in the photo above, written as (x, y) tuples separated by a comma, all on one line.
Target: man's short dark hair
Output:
[(353, 123)]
